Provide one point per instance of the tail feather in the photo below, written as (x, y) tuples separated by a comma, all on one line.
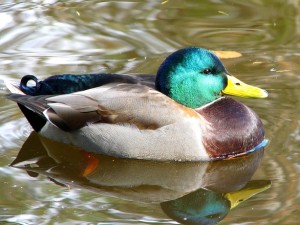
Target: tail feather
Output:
[(37, 104), (13, 87), (36, 121), (32, 110)]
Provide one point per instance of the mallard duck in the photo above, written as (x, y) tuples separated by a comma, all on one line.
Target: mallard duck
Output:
[(182, 116)]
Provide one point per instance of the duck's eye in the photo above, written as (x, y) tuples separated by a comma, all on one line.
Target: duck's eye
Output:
[(207, 71)]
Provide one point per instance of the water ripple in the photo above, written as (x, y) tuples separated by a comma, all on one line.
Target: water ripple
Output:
[(50, 36)]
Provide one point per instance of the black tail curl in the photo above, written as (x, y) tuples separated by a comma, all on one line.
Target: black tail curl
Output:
[(29, 90)]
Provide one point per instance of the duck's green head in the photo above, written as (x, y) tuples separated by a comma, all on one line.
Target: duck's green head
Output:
[(195, 76)]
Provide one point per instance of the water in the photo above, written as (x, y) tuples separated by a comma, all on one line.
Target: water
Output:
[(52, 37)]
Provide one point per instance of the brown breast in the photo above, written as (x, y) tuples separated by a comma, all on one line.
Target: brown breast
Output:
[(232, 128)]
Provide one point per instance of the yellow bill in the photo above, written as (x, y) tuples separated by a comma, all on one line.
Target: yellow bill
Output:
[(238, 88), (252, 188)]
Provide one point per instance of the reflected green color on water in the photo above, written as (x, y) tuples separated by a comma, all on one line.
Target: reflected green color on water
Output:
[(51, 37)]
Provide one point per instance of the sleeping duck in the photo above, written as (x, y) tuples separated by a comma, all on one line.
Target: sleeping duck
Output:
[(182, 114)]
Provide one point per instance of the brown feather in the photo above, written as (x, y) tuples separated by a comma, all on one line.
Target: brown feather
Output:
[(133, 104), (63, 116), (35, 103), (125, 103), (236, 129)]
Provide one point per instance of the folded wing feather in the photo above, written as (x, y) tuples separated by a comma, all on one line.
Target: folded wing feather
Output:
[(133, 104)]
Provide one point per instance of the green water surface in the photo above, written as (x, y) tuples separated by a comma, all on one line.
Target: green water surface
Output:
[(45, 37)]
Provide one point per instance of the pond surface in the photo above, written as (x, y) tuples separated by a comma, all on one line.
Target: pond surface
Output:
[(52, 37)]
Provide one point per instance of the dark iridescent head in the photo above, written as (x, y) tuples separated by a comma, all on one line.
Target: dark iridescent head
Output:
[(195, 76)]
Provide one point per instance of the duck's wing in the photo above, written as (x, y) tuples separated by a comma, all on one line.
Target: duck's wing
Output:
[(130, 104)]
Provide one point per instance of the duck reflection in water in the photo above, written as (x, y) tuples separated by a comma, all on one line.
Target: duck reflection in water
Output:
[(188, 192)]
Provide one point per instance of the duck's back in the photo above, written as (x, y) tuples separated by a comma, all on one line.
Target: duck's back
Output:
[(70, 83)]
